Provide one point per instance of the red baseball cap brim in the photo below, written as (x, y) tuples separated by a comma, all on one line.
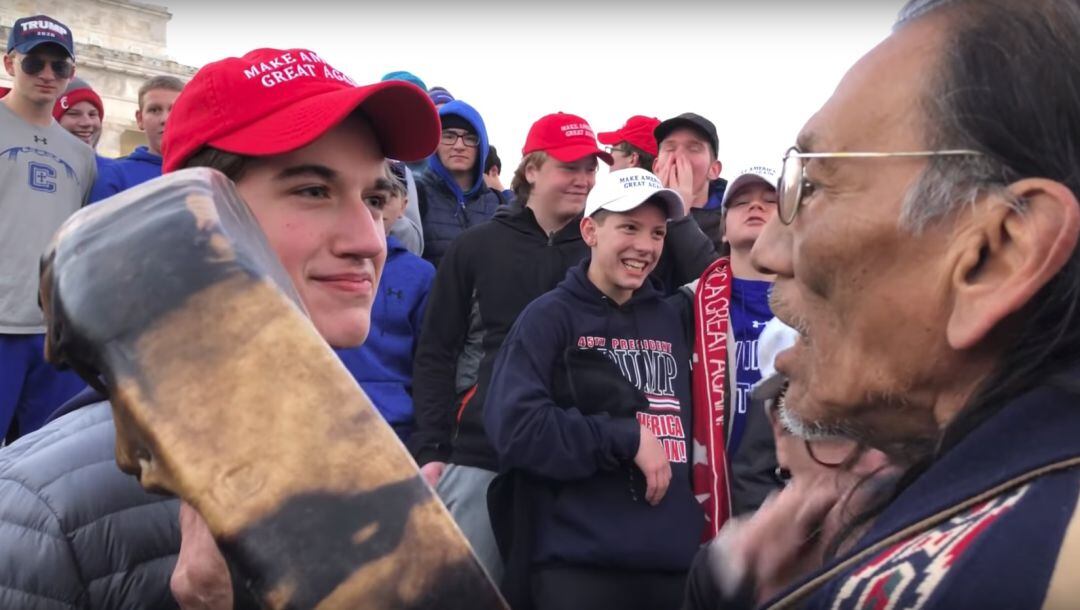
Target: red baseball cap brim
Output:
[(403, 117), (569, 154), (610, 138)]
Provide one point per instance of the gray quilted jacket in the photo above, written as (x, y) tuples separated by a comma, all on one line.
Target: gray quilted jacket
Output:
[(75, 532)]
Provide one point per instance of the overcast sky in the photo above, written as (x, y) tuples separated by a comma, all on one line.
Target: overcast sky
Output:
[(758, 70)]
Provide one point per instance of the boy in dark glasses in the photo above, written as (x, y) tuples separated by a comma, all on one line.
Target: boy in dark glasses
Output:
[(45, 175)]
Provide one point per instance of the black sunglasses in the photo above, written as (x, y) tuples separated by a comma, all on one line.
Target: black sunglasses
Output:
[(33, 64)]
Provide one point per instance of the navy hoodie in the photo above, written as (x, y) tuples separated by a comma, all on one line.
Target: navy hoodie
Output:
[(592, 519), (445, 209), (123, 173)]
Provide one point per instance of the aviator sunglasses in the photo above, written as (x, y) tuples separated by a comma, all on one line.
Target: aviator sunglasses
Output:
[(33, 64)]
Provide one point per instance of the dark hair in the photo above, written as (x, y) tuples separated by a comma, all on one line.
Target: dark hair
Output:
[(234, 165), (166, 82), (1006, 86), (230, 164), (493, 160), (645, 160)]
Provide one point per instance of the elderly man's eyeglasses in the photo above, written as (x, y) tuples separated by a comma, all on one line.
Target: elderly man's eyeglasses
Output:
[(793, 175), (33, 64), (449, 138)]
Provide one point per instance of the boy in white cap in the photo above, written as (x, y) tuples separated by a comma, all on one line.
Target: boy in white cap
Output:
[(748, 204), (626, 525)]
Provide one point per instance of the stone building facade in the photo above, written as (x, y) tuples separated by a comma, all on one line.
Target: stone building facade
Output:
[(118, 45)]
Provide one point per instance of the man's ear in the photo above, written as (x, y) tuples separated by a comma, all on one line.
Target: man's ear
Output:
[(138, 119), (9, 64), (714, 170), (1004, 256)]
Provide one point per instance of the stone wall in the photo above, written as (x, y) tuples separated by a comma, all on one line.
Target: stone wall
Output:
[(118, 45)]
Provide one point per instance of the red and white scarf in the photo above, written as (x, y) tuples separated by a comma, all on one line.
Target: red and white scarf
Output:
[(709, 374)]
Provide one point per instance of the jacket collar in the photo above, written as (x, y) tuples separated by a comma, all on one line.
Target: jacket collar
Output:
[(1032, 431), (525, 222)]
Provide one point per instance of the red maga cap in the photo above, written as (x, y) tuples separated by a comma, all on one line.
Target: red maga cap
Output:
[(566, 137), (638, 132), (272, 101)]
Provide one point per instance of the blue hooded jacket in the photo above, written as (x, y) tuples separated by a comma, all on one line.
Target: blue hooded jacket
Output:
[(445, 209), (123, 173), (592, 518), (383, 365)]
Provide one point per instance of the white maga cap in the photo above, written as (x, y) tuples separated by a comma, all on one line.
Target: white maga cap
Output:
[(625, 189), (760, 172)]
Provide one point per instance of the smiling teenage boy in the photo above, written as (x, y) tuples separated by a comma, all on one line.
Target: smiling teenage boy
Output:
[(81, 111), (314, 190), (486, 280), (597, 544)]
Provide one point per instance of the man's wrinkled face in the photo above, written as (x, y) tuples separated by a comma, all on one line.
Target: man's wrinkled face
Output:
[(83, 121), (868, 298)]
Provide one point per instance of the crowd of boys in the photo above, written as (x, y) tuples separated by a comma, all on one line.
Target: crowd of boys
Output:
[(576, 362)]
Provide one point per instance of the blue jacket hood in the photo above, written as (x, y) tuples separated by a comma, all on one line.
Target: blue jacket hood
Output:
[(394, 246), (143, 154), (467, 112)]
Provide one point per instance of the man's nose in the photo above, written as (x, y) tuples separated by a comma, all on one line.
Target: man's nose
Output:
[(772, 250)]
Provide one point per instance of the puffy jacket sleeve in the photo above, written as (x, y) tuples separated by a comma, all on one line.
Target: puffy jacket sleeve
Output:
[(31, 537), (527, 428), (446, 321)]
